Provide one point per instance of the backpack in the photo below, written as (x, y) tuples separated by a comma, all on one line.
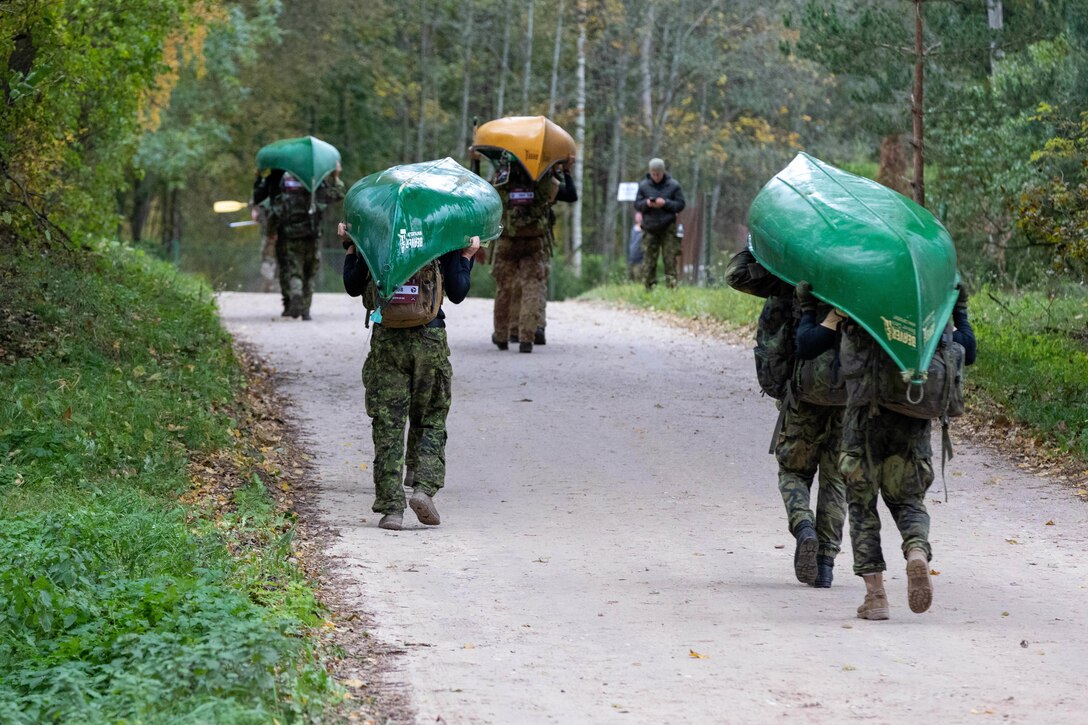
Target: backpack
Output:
[(774, 345), (820, 381), (873, 379), (291, 207), (415, 303)]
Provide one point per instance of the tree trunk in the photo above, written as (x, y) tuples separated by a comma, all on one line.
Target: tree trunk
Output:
[(141, 206), (892, 171), (555, 60), (918, 108), (466, 78), (528, 72), (647, 74), (579, 141), (505, 59), (424, 53), (608, 225)]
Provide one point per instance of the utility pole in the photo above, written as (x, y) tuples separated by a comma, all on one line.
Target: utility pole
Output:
[(917, 108)]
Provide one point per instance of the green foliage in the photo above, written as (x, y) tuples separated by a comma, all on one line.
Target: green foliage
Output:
[(75, 74), (717, 303), (117, 604)]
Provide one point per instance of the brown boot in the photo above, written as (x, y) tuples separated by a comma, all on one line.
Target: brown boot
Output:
[(919, 585), (875, 605)]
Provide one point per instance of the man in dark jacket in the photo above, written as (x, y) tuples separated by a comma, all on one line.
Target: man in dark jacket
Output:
[(659, 199)]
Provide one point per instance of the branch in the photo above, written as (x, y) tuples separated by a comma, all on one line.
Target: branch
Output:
[(42, 219), (1002, 304)]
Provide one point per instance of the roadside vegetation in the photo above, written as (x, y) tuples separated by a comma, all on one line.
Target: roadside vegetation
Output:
[(146, 570), (1032, 363)]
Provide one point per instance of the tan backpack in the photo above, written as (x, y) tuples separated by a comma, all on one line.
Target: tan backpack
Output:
[(415, 303)]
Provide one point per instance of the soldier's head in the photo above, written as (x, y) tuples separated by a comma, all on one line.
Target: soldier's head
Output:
[(657, 170)]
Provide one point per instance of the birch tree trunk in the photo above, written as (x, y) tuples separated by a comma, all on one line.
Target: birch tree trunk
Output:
[(463, 140), (647, 75), (528, 72), (579, 141), (555, 60), (609, 208), (505, 58), (424, 52)]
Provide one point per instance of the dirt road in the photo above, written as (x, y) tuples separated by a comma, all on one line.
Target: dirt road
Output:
[(613, 547)]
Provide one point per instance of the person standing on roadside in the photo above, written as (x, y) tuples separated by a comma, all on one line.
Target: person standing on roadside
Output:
[(408, 380), (659, 199)]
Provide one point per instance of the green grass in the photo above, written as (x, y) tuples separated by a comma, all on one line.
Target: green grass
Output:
[(1032, 349), (117, 603)]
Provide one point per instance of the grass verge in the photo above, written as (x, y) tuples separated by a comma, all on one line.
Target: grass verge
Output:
[(146, 564), (1032, 364)]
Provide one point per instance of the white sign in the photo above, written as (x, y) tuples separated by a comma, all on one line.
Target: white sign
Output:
[(627, 191)]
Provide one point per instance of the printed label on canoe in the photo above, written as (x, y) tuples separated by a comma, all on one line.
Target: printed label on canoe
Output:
[(410, 240), (899, 330)]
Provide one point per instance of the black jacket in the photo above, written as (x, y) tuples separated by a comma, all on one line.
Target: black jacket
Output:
[(456, 277), (656, 219)]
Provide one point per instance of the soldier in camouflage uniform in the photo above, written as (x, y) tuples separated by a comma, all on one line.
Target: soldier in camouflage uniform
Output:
[(520, 257), (807, 440), (408, 381), (660, 199), (884, 455), (294, 221)]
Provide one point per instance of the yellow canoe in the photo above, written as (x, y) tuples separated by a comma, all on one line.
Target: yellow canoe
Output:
[(535, 141)]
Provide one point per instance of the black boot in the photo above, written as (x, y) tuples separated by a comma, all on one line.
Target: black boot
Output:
[(825, 570), (538, 338), (501, 344), (525, 347), (804, 556)]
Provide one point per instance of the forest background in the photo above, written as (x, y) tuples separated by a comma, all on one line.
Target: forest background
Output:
[(129, 119), (148, 526)]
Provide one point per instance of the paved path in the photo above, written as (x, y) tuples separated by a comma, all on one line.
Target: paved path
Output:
[(610, 509)]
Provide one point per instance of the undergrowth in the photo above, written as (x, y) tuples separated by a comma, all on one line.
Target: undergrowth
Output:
[(118, 603)]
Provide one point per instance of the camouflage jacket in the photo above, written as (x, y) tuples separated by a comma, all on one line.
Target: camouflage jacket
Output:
[(526, 206), (290, 209)]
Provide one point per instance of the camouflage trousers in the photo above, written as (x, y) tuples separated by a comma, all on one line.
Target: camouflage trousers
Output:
[(297, 259), (408, 380), (885, 455), (667, 244), (520, 269), (514, 316), (269, 268), (810, 441)]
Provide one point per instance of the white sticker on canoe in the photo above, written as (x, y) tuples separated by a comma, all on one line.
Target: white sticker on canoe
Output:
[(410, 240)]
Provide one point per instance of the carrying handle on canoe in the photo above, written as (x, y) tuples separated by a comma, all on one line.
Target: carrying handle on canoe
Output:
[(921, 392)]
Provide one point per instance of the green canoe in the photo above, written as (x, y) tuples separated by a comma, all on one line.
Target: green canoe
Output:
[(868, 250), (404, 217), (308, 159)]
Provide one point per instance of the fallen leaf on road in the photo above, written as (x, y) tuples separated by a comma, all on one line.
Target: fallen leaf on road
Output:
[(981, 712), (354, 683), (1012, 541), (1004, 614), (362, 466), (696, 656), (780, 546), (934, 572), (469, 646), (1050, 522), (848, 668)]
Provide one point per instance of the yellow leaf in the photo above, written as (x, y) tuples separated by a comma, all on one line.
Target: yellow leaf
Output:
[(354, 683), (1012, 541), (934, 572), (362, 466), (469, 646), (848, 668), (1050, 522), (696, 656)]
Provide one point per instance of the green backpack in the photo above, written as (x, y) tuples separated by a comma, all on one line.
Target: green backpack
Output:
[(415, 303), (774, 345), (873, 379)]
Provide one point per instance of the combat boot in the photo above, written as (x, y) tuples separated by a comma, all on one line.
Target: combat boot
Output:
[(513, 336), (538, 337), (501, 344), (875, 605), (825, 566), (804, 556), (525, 347), (294, 307), (424, 508), (393, 521), (919, 585)]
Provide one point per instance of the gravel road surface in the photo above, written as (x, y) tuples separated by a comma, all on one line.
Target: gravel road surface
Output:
[(613, 547)]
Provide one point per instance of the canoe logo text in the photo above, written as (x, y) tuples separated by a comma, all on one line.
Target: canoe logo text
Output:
[(410, 240), (899, 330)]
